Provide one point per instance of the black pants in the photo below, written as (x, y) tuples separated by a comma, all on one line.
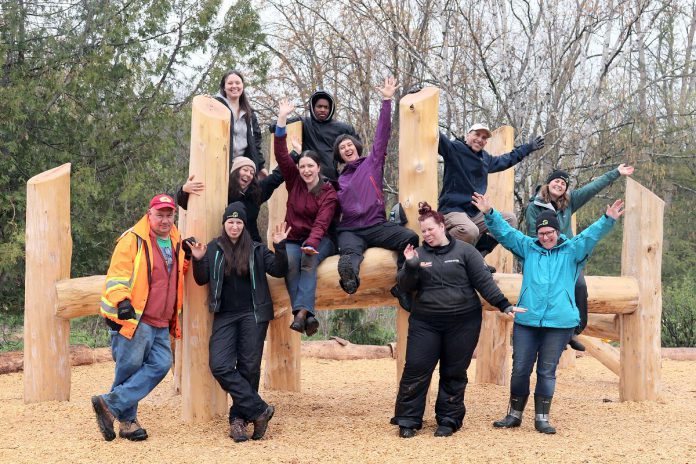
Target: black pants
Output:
[(452, 342), (387, 235), (581, 301), (236, 348)]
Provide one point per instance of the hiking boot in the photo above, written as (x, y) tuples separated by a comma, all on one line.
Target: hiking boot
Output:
[(311, 325), (443, 431), (131, 430), (238, 431), (514, 415), (105, 419), (348, 281), (491, 269), (261, 423), (404, 298), (298, 324), (542, 407), (407, 432), (576, 344)]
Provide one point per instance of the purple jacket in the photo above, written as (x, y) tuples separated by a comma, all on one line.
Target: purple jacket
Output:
[(360, 183)]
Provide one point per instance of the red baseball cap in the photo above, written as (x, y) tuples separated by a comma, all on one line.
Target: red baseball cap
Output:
[(162, 201)]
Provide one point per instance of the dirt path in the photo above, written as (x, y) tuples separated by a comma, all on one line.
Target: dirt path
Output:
[(343, 416)]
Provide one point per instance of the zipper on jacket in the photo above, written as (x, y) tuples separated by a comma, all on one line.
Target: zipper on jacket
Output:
[(253, 282)]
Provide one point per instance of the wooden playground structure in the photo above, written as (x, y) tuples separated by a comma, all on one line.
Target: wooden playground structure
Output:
[(626, 308)]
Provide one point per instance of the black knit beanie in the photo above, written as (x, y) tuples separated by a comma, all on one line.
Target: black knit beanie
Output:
[(547, 219), (235, 210), (559, 174)]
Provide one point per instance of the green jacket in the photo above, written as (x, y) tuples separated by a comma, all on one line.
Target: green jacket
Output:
[(578, 198)]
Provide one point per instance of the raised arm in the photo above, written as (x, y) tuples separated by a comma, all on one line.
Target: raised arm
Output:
[(586, 240), (509, 237), (579, 197), (407, 277), (508, 160), (280, 147), (383, 131)]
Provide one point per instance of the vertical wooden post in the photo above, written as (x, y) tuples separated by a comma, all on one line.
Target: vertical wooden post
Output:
[(492, 360), (48, 255), (283, 360), (202, 397), (641, 257), (418, 140)]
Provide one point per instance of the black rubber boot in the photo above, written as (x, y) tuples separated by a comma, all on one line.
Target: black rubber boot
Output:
[(485, 244), (576, 344), (404, 298), (407, 432), (542, 406), (514, 415)]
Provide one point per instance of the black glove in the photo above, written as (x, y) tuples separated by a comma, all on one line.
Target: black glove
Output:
[(126, 310), (537, 142), (186, 246)]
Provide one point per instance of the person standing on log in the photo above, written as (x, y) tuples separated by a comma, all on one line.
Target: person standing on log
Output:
[(467, 166), (235, 267), (311, 207), (556, 197), (141, 302), (244, 186), (444, 324), (363, 223), (245, 132), (551, 266), (320, 130)]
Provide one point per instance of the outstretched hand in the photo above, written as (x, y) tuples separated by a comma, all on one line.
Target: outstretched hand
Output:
[(515, 310), (296, 145), (625, 170), (285, 107), (410, 252), (537, 142), (389, 88), (193, 186), (616, 210), (198, 249), (481, 202), (280, 232)]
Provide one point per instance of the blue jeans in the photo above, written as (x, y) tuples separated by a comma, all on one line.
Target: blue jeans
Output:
[(141, 364), (301, 280), (543, 345)]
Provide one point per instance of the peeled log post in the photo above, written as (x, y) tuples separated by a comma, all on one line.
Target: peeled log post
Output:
[(492, 360), (48, 255), (282, 369), (602, 352), (641, 257), (418, 140), (202, 397)]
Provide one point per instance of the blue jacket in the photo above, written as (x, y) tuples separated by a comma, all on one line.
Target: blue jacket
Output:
[(549, 276), (466, 172)]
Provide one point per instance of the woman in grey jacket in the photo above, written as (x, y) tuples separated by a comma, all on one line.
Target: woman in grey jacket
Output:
[(444, 324), (235, 267)]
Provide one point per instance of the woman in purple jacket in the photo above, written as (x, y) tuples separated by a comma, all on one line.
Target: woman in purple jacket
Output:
[(363, 222)]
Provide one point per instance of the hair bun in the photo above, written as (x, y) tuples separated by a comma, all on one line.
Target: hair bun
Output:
[(423, 208)]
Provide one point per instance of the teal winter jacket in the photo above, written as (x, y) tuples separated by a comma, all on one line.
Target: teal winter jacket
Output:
[(549, 276)]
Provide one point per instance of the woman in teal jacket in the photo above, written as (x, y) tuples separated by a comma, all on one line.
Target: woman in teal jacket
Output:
[(555, 196), (551, 265)]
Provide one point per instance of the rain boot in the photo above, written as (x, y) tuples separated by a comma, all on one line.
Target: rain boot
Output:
[(514, 415), (542, 406)]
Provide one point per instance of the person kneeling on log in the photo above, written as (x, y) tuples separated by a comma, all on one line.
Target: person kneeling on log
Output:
[(235, 268), (444, 324), (311, 206), (551, 266), (363, 223)]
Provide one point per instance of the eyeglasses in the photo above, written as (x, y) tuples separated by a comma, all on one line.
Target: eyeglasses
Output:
[(546, 234)]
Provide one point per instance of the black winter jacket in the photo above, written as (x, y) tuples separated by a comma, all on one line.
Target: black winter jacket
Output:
[(211, 269), (253, 150), (446, 280)]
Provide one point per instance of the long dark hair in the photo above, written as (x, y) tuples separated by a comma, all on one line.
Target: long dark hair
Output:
[(425, 211), (235, 193), (243, 100), (236, 254)]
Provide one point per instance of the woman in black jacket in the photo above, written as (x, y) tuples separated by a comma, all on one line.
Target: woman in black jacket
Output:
[(444, 324), (235, 267)]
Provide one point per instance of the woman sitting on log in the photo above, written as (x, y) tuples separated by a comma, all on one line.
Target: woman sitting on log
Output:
[(363, 222), (311, 206), (555, 196), (444, 324), (243, 186), (551, 266), (235, 268)]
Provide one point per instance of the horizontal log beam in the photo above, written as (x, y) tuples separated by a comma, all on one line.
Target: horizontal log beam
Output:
[(607, 295), (602, 352), (602, 326)]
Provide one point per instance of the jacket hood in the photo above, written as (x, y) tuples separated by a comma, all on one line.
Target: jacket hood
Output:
[(316, 96)]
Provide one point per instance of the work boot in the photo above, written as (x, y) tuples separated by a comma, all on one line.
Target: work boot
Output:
[(238, 431), (261, 423), (131, 430), (298, 323), (311, 326), (576, 344), (405, 300), (514, 415), (444, 431), (407, 432), (105, 419), (348, 281), (486, 244), (542, 406)]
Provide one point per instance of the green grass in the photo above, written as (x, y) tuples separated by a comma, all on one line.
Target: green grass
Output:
[(90, 331)]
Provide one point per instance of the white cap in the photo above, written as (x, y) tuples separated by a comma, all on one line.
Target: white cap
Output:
[(478, 126)]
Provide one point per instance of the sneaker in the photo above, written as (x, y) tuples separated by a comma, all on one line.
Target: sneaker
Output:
[(131, 430), (105, 420), (575, 344), (261, 423), (403, 297), (407, 432), (348, 281), (443, 431), (238, 431)]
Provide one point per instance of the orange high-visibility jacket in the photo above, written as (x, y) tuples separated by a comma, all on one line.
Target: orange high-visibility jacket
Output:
[(129, 277)]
